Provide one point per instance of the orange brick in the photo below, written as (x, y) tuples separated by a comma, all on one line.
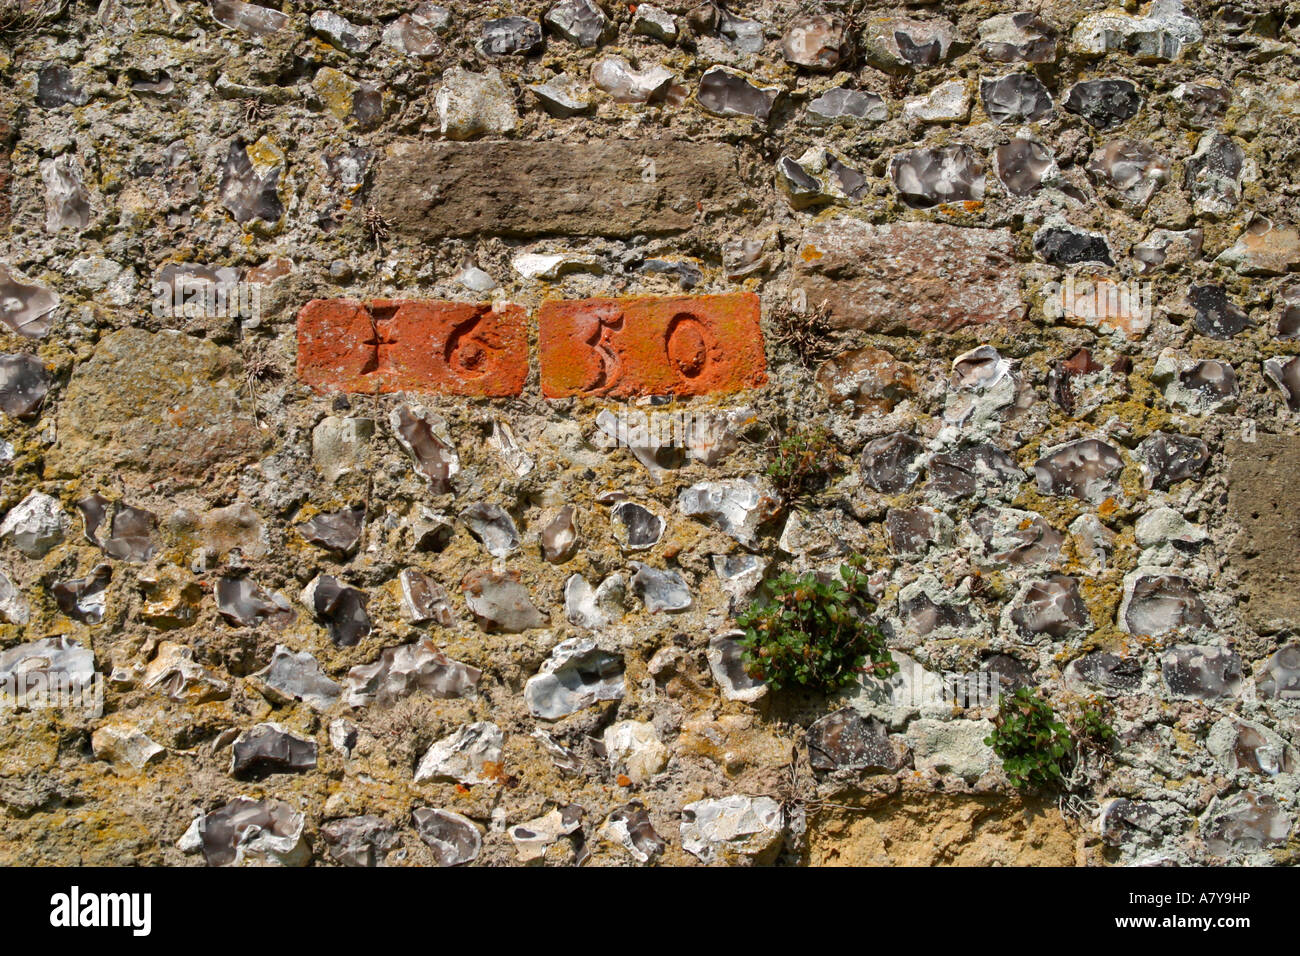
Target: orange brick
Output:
[(409, 345), (678, 345)]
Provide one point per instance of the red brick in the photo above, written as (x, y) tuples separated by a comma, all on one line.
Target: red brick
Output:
[(396, 345), (678, 345)]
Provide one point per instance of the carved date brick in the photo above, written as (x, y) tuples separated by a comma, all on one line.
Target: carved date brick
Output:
[(677, 345), (395, 345)]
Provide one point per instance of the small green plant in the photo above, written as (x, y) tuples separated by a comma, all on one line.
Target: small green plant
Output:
[(815, 633), (802, 462), (1034, 745), (1091, 729)]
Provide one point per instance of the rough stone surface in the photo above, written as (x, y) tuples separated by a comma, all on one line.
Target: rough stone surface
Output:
[(164, 404), (909, 275), (533, 189)]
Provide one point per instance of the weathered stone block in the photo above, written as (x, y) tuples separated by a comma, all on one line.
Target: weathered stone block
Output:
[(394, 345), (1264, 499), (162, 404), (677, 345), (612, 188), (909, 275)]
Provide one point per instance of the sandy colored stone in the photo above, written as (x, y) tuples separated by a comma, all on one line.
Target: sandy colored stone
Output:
[(1265, 501), (941, 830), (164, 404), (547, 188), (909, 275)]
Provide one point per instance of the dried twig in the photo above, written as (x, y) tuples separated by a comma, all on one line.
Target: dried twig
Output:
[(806, 333), (378, 226)]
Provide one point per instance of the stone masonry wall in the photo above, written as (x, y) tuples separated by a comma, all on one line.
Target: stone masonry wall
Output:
[(388, 391)]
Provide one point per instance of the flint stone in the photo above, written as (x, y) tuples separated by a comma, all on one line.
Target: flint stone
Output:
[(581, 22), (403, 670), (510, 35), (1105, 104), (576, 675), (124, 743), (527, 189), (1278, 678), (13, 606), (84, 598), (660, 590), (845, 741), (636, 527), (1159, 36), (1017, 37), (1214, 174), (1216, 315), (1240, 745), (1192, 672), (50, 658), (845, 106), (633, 748), (1106, 672), (493, 527), (424, 599), (338, 531), (25, 308), (1246, 823), (727, 92), (1052, 606), (889, 464), (1023, 165), (298, 676), (973, 469), (1155, 604), (271, 748), (562, 96), (594, 608), (732, 828), (947, 103), (820, 43), (342, 609), (1087, 469), (615, 76), (423, 435), (259, 832), (1132, 168), (900, 44), (1015, 98), (499, 601), (912, 277), (453, 838), (360, 841), (726, 663), (1065, 245), (36, 525), (532, 838), (930, 176), (24, 384), (1168, 458), (629, 827), (1017, 538), (736, 506), (471, 755), (251, 18)]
